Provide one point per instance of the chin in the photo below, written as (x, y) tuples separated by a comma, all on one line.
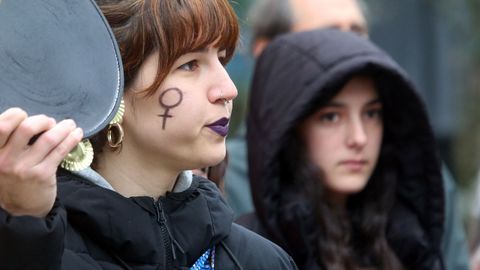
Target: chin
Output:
[(350, 186), (214, 158)]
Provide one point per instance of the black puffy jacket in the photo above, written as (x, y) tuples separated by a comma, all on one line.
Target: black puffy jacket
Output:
[(91, 227), (294, 74)]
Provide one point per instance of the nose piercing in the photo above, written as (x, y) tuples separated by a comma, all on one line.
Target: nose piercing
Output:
[(225, 101)]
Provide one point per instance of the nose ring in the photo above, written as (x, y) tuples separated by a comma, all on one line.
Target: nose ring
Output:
[(225, 101)]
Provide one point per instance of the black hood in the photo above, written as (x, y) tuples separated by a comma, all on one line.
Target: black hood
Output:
[(298, 71)]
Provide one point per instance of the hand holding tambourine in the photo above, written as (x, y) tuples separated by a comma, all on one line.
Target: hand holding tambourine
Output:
[(61, 81), (27, 171)]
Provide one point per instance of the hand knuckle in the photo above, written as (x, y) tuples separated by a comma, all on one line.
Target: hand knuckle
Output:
[(26, 128), (18, 170), (17, 110), (61, 150), (4, 130), (49, 139), (5, 163), (35, 174)]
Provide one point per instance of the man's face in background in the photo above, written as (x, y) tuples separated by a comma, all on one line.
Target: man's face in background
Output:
[(307, 15), (345, 15)]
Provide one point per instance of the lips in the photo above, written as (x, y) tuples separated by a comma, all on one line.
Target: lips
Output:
[(354, 165), (220, 126)]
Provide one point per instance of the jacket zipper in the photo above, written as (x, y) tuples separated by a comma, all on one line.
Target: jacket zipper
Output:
[(167, 244)]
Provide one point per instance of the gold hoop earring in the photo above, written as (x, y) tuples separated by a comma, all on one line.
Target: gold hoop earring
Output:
[(82, 155), (115, 135), (115, 131)]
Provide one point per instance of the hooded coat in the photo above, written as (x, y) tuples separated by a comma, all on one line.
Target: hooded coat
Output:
[(93, 227), (293, 76)]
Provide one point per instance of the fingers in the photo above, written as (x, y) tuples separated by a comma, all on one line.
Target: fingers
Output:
[(51, 140), (27, 129), (27, 171), (9, 121), (61, 150), (52, 145)]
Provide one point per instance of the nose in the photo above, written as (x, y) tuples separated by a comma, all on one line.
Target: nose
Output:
[(356, 134), (223, 89)]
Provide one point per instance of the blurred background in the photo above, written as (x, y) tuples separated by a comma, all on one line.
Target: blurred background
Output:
[(438, 43)]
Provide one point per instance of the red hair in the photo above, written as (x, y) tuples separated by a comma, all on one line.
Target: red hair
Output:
[(171, 28)]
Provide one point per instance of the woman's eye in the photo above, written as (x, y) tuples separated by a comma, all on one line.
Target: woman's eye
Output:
[(374, 113), (331, 117), (190, 66)]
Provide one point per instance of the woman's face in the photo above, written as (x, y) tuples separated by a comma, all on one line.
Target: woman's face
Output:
[(184, 124), (344, 137)]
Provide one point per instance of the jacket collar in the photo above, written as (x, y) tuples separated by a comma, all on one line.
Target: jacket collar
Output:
[(183, 182), (197, 218)]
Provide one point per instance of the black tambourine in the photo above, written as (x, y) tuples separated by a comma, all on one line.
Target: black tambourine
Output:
[(60, 58)]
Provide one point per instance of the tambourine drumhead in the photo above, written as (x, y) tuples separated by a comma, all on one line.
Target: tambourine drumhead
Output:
[(59, 58)]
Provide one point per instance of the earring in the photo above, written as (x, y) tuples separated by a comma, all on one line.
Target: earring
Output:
[(114, 141), (82, 155), (115, 131), (79, 158)]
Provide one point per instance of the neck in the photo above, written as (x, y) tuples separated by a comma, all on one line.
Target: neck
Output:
[(131, 176)]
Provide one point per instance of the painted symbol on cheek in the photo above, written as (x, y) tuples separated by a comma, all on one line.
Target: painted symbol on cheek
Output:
[(165, 101)]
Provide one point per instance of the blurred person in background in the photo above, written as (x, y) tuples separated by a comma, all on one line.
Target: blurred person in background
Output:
[(270, 18), (342, 160)]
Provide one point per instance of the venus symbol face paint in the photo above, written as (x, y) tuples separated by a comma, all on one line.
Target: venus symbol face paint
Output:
[(169, 99)]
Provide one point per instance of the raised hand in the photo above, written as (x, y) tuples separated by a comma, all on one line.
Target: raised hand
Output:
[(27, 170)]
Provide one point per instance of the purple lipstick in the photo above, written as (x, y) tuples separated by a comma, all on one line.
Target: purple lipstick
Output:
[(220, 126)]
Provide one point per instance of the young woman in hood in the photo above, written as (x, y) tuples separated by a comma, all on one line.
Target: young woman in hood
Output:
[(342, 159), (136, 207)]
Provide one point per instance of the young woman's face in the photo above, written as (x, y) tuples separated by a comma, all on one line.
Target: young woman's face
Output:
[(184, 124), (344, 137)]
